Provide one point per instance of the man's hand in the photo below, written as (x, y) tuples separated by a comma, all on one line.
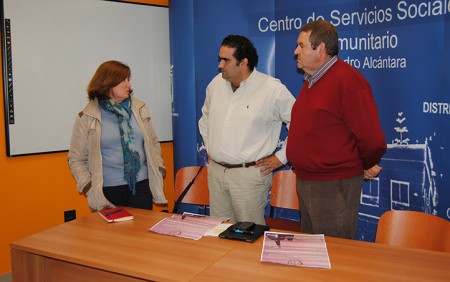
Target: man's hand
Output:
[(268, 164), (372, 172)]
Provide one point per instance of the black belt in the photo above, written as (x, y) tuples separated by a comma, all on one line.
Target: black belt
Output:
[(236, 165)]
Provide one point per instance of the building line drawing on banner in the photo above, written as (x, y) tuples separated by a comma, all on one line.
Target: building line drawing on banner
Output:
[(407, 181)]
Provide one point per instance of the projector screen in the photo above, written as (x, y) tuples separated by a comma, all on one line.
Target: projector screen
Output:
[(51, 49)]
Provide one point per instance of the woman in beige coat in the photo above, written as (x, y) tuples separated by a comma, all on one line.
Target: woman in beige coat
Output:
[(115, 154)]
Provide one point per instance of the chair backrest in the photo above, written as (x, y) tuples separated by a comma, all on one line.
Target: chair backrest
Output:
[(284, 190), (414, 229), (198, 194)]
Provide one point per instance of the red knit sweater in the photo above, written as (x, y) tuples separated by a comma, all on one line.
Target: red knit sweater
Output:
[(335, 131)]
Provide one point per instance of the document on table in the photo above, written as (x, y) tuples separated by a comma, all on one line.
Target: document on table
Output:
[(306, 250), (187, 225), (218, 229)]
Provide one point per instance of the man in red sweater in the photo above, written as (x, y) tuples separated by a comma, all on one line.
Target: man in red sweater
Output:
[(335, 137)]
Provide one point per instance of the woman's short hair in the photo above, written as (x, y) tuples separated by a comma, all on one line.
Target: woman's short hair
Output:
[(322, 31), (108, 75), (244, 49)]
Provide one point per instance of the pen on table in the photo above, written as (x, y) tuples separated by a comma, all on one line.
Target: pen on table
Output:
[(113, 212)]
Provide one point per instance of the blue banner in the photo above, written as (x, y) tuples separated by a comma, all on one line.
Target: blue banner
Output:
[(401, 47)]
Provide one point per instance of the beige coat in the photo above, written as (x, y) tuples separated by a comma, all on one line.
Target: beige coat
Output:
[(85, 159)]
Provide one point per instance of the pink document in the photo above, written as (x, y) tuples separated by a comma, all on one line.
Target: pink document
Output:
[(304, 250), (187, 225)]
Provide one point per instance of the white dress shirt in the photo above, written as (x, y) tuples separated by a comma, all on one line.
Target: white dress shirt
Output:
[(245, 125)]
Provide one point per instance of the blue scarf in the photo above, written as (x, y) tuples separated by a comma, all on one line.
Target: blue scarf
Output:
[(131, 159)]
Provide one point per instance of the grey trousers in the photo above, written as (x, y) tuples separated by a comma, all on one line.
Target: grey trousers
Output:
[(238, 193), (330, 207)]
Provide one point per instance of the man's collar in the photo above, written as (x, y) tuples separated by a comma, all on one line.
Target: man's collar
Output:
[(314, 77)]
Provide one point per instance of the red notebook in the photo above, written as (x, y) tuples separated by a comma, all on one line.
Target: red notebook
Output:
[(116, 214)]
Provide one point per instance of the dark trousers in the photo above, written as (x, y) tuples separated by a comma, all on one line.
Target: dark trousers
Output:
[(330, 207), (121, 195)]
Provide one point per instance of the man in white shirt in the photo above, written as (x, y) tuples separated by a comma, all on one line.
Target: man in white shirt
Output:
[(241, 123)]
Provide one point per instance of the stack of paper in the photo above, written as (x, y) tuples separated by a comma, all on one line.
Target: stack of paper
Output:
[(187, 225)]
